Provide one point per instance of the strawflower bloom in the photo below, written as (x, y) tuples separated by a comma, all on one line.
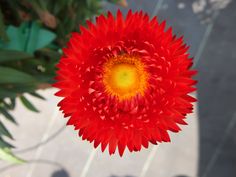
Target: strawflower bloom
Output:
[(125, 82)]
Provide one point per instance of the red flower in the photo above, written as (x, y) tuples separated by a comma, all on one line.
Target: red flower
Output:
[(125, 82)]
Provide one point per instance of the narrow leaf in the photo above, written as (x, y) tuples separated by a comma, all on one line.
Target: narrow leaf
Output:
[(4, 131), (13, 55), (28, 104), (21, 88), (9, 75), (33, 37), (7, 115), (11, 104), (37, 95), (7, 155), (4, 144), (3, 34), (5, 93)]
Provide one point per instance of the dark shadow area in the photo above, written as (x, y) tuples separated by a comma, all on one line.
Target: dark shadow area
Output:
[(181, 176), (216, 95), (60, 173), (121, 176)]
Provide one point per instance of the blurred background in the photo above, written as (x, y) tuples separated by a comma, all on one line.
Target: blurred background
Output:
[(33, 139)]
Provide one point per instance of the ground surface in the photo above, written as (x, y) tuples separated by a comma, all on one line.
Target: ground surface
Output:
[(205, 148)]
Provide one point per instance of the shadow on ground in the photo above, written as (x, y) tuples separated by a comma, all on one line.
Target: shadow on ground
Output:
[(121, 176), (60, 173)]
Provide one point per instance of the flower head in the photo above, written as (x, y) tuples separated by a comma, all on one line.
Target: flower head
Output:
[(125, 82)]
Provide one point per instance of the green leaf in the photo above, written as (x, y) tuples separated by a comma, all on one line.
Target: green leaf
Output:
[(89, 2), (4, 144), (11, 104), (7, 155), (45, 37), (52, 54), (13, 90), (28, 104), (113, 1), (28, 37), (31, 45), (37, 95), (4, 131), (17, 38), (9, 75), (7, 115), (13, 55), (57, 7), (6, 93), (3, 34)]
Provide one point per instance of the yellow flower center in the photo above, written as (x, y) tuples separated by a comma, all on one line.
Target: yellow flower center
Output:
[(124, 76)]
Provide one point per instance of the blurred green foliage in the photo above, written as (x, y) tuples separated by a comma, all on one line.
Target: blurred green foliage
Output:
[(32, 32)]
